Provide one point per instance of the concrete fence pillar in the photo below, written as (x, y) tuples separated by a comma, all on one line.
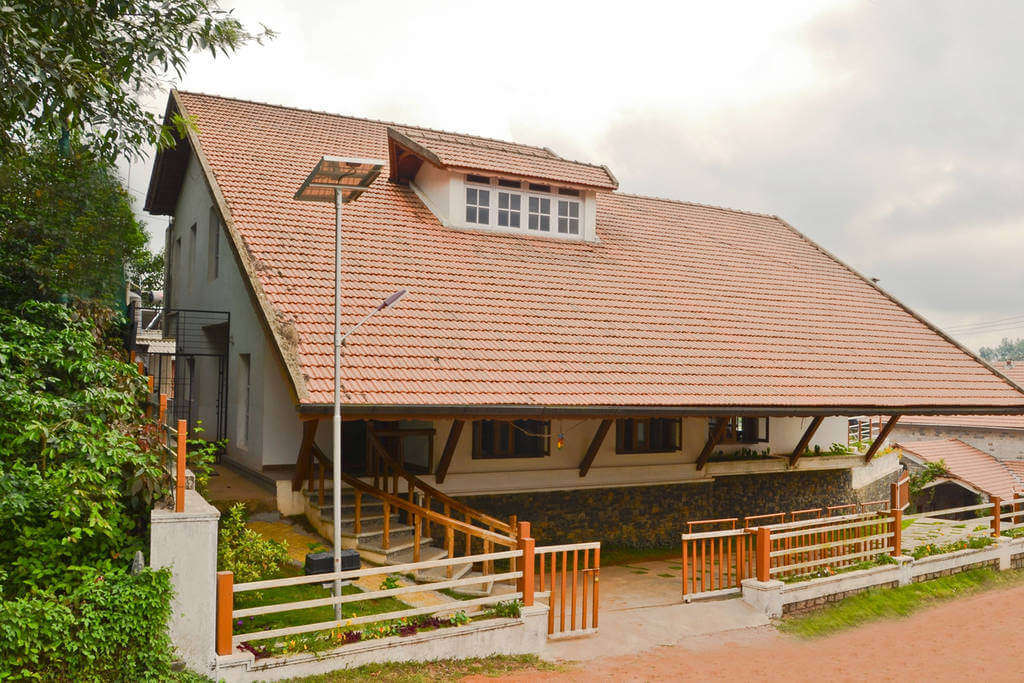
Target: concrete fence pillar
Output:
[(186, 543)]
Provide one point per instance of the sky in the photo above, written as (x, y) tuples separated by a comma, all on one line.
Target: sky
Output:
[(890, 132)]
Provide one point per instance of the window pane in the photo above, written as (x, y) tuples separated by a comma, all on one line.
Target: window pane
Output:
[(514, 222), (545, 222), (516, 201), (534, 204), (470, 195), (503, 218), (483, 216), (545, 205), (563, 225), (485, 197), (503, 200), (533, 222), (574, 209), (471, 214), (563, 208)]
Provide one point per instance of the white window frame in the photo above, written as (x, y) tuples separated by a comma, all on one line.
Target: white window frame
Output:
[(525, 194), (487, 187), (511, 192), (569, 202)]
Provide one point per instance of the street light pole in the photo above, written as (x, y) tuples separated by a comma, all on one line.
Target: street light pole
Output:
[(336, 455)]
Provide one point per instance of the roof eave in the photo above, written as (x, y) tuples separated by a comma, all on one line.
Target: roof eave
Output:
[(608, 411)]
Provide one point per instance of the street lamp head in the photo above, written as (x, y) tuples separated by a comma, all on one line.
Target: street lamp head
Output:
[(351, 175), (392, 300)]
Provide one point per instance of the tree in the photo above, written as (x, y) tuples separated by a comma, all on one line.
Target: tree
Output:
[(1007, 350), (66, 227), (78, 67)]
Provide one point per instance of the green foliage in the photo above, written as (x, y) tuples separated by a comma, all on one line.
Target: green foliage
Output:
[(1007, 350), (390, 582), (79, 66), (972, 543), (245, 552), (79, 471), (80, 467), (67, 228), (111, 627), (510, 608), (888, 603), (201, 455), (878, 561), (930, 472)]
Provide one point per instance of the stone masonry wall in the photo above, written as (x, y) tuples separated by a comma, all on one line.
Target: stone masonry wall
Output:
[(655, 516), (817, 603), (994, 564), (1002, 444)]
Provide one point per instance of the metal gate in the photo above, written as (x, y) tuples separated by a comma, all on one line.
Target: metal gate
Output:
[(186, 352)]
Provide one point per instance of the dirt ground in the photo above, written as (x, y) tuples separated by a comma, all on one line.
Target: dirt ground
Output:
[(976, 638)]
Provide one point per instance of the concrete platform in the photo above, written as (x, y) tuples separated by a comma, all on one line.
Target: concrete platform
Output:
[(641, 609)]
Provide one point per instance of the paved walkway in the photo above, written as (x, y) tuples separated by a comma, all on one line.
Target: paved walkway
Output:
[(641, 609), (940, 531)]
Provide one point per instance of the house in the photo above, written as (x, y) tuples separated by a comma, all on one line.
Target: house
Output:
[(970, 473), (603, 364), (1001, 436)]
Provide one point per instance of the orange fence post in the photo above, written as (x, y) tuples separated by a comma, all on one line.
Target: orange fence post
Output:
[(179, 488), (897, 531), (764, 544), (225, 606), (162, 411), (997, 511), (894, 497), (597, 579), (526, 581)]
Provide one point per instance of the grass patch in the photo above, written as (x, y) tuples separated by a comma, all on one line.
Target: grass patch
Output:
[(885, 603), (667, 576), (439, 670), (456, 595), (620, 555), (309, 591), (907, 522)]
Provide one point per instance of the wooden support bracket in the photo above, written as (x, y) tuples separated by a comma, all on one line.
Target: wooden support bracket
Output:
[(805, 440), (713, 440), (880, 439), (595, 446), (304, 461), (449, 450)]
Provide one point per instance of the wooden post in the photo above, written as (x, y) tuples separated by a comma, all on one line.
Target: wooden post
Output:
[(162, 414), (150, 382), (225, 605), (597, 579), (357, 522), (526, 581), (764, 545), (416, 538), (897, 531), (179, 484), (385, 541), (894, 497), (997, 511)]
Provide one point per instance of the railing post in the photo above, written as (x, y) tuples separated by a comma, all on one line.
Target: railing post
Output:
[(997, 511), (764, 545), (162, 412), (527, 545), (225, 606), (894, 497), (179, 484), (897, 531)]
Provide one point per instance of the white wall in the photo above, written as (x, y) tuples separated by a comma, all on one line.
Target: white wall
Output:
[(274, 427)]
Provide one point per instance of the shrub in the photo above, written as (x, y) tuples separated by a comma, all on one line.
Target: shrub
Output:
[(972, 543), (112, 627), (245, 552), (508, 608)]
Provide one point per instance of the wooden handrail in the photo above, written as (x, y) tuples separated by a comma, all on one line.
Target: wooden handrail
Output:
[(434, 493), (391, 499)]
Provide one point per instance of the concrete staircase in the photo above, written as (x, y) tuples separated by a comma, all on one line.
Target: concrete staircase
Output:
[(369, 541)]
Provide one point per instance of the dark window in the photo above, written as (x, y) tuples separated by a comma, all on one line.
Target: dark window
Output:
[(742, 429), (509, 183), (647, 435), (518, 439), (540, 188), (479, 179), (569, 192)]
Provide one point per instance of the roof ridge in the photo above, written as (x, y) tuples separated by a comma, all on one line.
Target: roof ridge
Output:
[(538, 148), (669, 200)]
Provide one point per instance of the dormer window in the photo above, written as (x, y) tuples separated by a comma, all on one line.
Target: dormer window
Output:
[(568, 217), (478, 201), (539, 214), (510, 207)]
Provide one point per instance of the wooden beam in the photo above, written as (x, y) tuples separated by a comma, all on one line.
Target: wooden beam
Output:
[(801, 446), (449, 450), (595, 446), (713, 440), (305, 458), (882, 436)]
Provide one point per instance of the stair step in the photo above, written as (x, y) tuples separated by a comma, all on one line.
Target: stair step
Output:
[(441, 573)]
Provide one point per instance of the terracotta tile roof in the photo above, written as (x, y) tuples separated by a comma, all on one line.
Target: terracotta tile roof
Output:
[(495, 156), (1016, 468), (977, 468), (678, 304), (1015, 371)]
